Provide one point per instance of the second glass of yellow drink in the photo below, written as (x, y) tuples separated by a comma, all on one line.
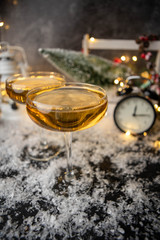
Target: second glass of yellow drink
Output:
[(17, 87)]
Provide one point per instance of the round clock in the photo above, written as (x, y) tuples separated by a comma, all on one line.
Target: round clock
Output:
[(135, 114)]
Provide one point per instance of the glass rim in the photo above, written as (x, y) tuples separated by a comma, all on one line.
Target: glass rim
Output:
[(28, 74), (69, 83), (50, 86)]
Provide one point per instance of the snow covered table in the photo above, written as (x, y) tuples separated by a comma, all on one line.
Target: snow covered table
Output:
[(117, 198)]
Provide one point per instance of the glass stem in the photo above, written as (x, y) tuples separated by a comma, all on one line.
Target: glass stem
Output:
[(68, 142), (43, 140)]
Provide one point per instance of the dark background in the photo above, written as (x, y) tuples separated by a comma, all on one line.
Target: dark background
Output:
[(37, 24)]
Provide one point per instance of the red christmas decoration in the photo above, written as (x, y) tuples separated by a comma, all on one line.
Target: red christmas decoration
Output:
[(117, 60), (143, 55), (148, 56), (144, 42)]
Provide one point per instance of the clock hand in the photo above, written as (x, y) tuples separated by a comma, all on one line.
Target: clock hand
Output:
[(141, 115), (134, 113)]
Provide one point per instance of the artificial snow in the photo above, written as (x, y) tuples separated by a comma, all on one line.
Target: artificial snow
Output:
[(115, 197)]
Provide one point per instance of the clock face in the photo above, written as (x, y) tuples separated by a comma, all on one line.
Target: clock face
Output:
[(135, 114)]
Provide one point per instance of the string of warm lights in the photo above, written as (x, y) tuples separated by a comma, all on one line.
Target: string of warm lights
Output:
[(3, 24), (127, 59), (123, 85), (123, 58), (120, 81), (157, 107), (128, 133)]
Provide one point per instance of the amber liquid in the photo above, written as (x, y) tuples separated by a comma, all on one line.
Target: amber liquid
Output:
[(3, 89), (67, 108), (18, 88)]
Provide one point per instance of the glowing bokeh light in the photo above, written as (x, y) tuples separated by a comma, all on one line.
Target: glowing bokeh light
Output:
[(121, 84), (92, 39), (134, 58), (1, 24), (128, 133), (116, 81), (123, 58)]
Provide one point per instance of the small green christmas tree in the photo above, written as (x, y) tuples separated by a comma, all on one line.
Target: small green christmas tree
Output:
[(90, 69)]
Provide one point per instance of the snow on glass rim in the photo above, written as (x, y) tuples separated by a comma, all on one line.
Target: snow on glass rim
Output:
[(38, 74), (69, 84)]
